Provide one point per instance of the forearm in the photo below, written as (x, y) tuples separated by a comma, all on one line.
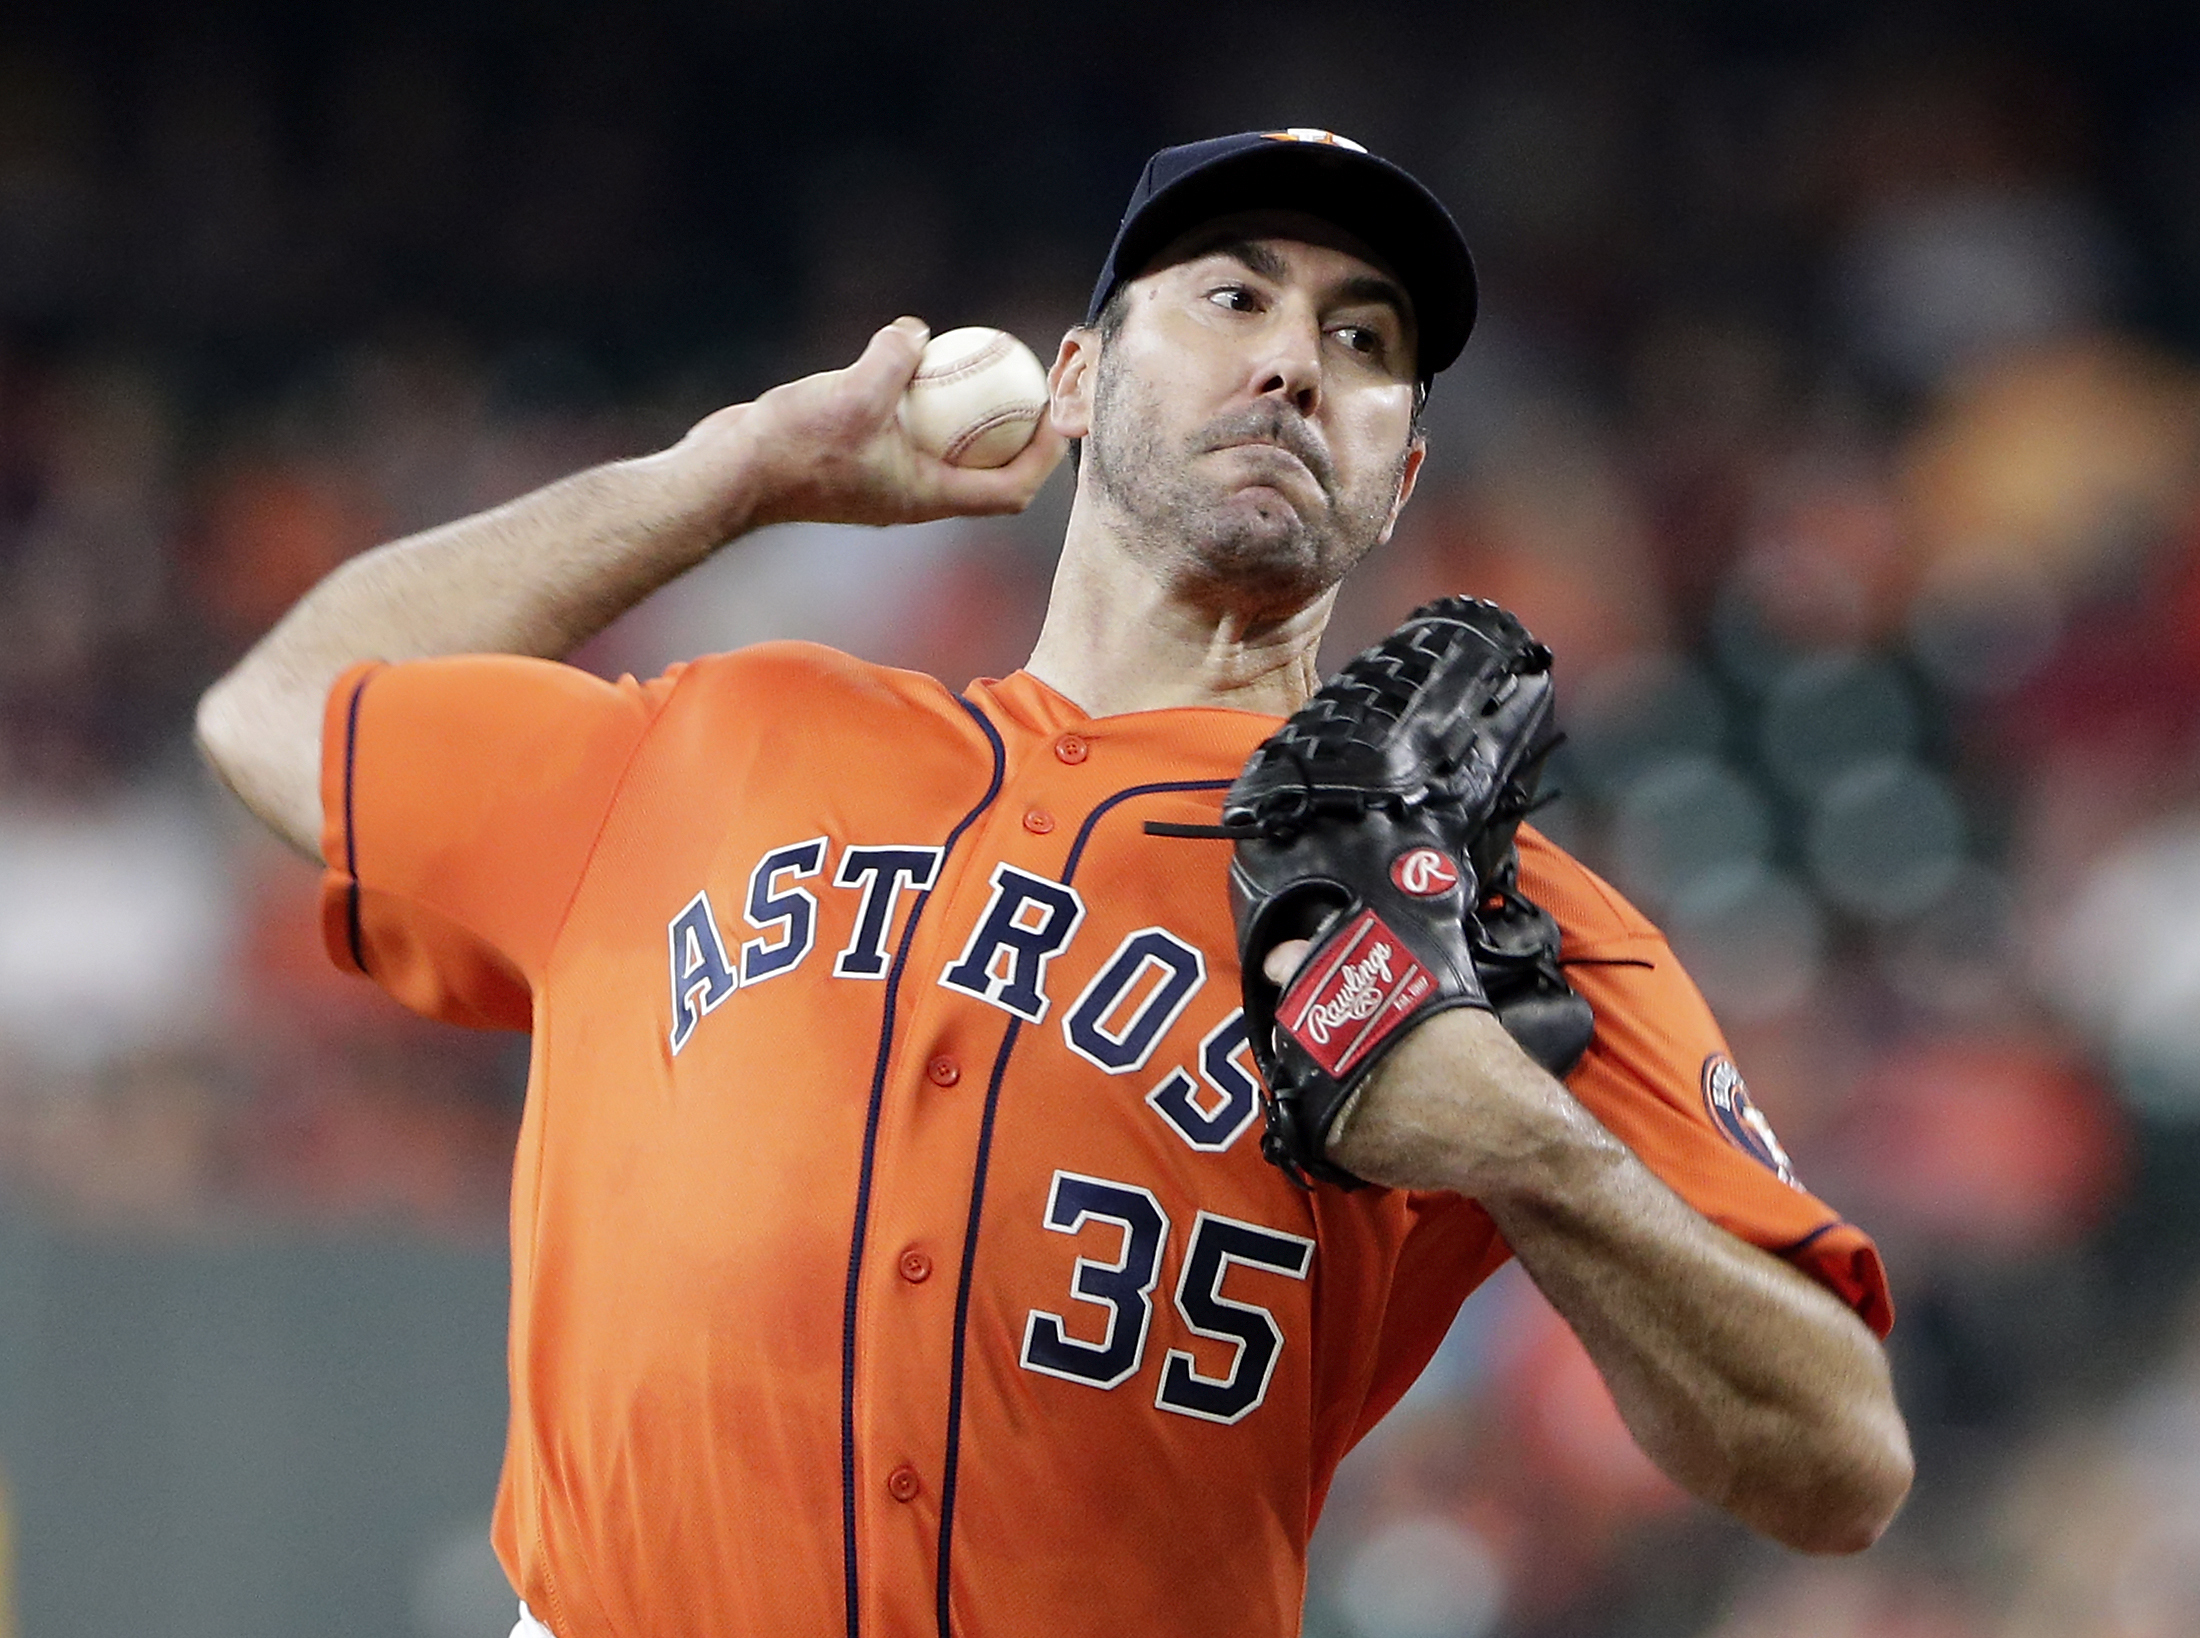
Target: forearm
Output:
[(1748, 1382), (545, 572), (537, 576), (1744, 1379)]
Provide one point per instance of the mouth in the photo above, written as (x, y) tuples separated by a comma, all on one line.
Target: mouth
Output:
[(1263, 449)]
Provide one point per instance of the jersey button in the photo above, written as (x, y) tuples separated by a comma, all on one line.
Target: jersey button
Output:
[(1038, 821), (916, 1266), (1071, 748), (903, 1484), (943, 1071)]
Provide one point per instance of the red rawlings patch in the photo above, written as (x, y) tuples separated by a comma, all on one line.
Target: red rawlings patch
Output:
[(1355, 992), (1423, 872)]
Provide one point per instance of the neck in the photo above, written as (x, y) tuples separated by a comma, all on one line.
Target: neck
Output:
[(1120, 636)]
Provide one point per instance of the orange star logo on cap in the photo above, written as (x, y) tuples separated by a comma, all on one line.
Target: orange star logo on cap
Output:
[(1308, 133)]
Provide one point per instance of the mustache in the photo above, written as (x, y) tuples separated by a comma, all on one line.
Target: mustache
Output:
[(1272, 423)]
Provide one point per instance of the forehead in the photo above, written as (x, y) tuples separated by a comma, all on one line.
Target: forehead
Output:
[(1338, 255)]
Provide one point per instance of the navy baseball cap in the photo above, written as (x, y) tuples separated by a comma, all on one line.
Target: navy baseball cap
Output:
[(1324, 175)]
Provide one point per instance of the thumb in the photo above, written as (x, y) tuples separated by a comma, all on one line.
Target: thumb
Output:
[(883, 369), (1281, 962)]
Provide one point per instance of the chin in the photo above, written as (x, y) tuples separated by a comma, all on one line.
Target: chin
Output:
[(1269, 523), (1264, 550)]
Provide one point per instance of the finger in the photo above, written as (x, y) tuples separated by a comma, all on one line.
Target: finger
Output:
[(1281, 962), (882, 370)]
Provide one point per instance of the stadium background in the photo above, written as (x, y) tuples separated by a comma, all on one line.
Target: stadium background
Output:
[(1835, 415)]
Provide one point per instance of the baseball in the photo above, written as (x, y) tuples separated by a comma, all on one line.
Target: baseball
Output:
[(976, 398)]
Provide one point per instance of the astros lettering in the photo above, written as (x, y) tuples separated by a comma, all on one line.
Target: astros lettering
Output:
[(1137, 994)]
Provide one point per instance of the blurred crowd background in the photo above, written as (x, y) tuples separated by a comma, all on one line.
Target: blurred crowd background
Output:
[(1835, 415)]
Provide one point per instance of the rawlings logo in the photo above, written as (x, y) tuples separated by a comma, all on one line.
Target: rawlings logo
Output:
[(1423, 872), (1362, 985), (1357, 997)]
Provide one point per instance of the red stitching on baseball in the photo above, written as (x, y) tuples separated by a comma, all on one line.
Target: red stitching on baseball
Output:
[(995, 349), (978, 429)]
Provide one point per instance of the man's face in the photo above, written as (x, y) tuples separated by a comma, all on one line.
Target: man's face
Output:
[(1252, 414)]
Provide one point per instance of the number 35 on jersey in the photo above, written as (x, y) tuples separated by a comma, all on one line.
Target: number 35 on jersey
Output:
[(1120, 1291)]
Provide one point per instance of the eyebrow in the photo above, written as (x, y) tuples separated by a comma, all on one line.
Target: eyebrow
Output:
[(1373, 287), (1253, 255)]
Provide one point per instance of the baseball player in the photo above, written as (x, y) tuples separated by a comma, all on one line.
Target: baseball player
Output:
[(893, 1246)]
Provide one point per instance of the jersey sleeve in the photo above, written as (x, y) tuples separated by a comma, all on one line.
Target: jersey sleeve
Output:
[(460, 800), (1659, 1075)]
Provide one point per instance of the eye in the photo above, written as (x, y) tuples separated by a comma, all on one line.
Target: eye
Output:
[(1238, 298), (1363, 339)]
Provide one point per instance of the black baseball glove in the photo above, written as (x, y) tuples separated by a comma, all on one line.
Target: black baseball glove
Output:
[(1379, 822)]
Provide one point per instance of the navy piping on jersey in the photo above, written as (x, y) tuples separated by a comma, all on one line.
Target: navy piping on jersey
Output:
[(351, 831), (1808, 1240), (849, 1579), (977, 1208)]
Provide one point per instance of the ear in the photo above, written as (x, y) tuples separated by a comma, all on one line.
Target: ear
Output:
[(1070, 382), (1408, 475)]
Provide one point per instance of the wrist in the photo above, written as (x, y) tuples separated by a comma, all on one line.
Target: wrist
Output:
[(1458, 1106), (710, 482)]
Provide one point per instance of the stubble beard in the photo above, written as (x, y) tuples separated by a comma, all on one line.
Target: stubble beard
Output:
[(1265, 561)]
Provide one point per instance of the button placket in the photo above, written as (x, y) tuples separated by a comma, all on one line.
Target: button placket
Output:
[(943, 1043)]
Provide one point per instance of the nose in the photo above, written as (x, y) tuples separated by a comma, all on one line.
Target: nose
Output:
[(1290, 362)]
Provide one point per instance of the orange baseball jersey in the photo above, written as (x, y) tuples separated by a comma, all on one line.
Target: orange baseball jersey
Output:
[(892, 1248)]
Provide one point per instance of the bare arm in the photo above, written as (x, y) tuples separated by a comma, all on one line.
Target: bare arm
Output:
[(1744, 1379), (545, 572)]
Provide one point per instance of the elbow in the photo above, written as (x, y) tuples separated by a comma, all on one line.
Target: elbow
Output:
[(216, 731), (269, 758), (1850, 1497)]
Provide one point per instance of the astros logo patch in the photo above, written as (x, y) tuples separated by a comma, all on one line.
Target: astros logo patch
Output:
[(1423, 872), (1727, 1101)]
